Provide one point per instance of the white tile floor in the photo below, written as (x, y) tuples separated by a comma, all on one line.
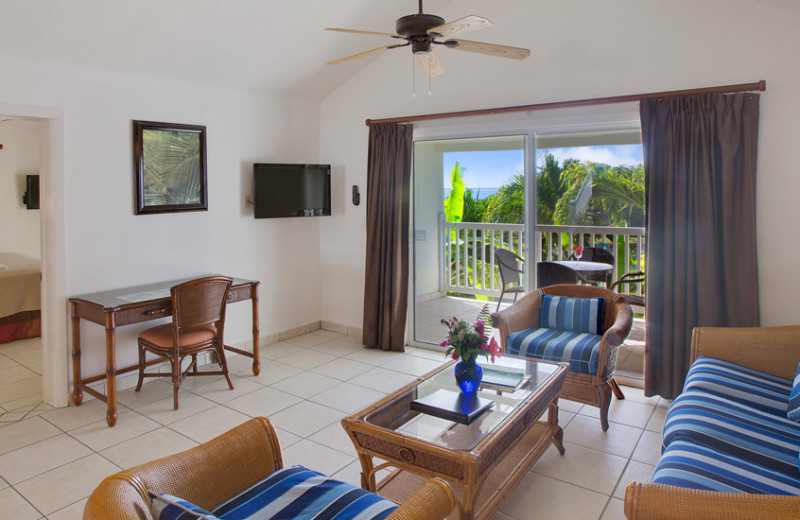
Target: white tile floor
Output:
[(51, 460)]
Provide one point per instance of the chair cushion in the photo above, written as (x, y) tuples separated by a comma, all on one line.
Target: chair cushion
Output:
[(572, 314), (299, 493), (766, 439), (690, 465), (162, 335), (578, 348), (793, 411), (168, 507), (742, 385)]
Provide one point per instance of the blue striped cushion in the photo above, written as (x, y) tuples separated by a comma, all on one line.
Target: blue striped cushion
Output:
[(301, 494), (743, 385), (758, 437), (572, 314), (577, 348), (793, 412), (690, 465), (168, 507)]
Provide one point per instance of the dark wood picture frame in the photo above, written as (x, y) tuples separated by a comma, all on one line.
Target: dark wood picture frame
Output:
[(169, 167)]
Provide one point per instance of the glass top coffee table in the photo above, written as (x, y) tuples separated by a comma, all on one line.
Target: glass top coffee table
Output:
[(485, 459)]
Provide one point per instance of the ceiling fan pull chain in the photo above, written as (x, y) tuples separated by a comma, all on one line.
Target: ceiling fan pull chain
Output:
[(430, 92), (413, 77)]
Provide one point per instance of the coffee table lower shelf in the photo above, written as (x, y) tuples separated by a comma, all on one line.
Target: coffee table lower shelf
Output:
[(496, 487)]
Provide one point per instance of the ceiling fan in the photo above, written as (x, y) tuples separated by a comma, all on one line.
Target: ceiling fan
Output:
[(423, 31)]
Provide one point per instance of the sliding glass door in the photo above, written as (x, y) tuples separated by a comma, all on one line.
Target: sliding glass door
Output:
[(469, 201)]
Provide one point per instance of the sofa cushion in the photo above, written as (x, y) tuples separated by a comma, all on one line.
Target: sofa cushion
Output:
[(299, 493), (572, 314), (743, 385), (755, 436), (793, 412), (578, 348), (690, 465), (168, 507)]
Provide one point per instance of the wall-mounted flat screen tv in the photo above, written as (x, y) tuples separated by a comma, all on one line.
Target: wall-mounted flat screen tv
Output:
[(292, 190)]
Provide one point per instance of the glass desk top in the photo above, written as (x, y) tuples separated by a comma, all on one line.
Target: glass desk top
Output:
[(396, 414)]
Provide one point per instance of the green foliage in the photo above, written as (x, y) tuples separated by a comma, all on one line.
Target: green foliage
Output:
[(474, 208), (454, 205), (507, 206)]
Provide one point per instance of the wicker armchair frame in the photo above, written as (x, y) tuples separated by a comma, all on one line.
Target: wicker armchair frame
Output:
[(772, 350), (221, 468), (593, 389)]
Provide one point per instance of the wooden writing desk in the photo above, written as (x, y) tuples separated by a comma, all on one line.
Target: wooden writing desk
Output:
[(113, 309)]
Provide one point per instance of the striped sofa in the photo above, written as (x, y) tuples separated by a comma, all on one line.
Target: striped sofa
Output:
[(728, 448), (240, 475)]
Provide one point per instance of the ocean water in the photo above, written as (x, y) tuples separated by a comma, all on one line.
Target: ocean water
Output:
[(480, 193)]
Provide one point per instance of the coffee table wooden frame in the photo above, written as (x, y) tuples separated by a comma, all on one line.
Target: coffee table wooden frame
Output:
[(484, 476)]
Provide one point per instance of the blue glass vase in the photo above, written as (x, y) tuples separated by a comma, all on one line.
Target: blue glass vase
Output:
[(468, 376)]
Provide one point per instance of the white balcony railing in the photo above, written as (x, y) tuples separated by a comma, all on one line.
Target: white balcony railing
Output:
[(468, 262)]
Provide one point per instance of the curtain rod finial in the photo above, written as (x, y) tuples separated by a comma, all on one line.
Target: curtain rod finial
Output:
[(762, 85)]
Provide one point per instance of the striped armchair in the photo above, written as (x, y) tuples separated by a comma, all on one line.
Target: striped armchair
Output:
[(222, 476), (578, 324)]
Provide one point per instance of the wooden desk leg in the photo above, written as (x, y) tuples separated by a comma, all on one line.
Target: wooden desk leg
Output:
[(111, 374), (256, 351), (77, 393)]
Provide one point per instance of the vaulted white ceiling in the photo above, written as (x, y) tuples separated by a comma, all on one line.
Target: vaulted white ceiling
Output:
[(278, 46), (272, 45)]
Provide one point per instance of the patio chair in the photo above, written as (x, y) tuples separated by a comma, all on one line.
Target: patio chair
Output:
[(596, 254), (551, 273), (510, 273), (578, 324), (215, 475), (632, 278)]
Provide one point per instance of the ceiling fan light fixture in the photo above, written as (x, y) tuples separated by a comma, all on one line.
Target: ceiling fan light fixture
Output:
[(421, 47)]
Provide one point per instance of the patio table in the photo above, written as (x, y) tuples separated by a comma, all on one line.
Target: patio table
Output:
[(590, 271)]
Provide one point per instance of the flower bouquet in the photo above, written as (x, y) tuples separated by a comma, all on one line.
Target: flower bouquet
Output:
[(466, 342)]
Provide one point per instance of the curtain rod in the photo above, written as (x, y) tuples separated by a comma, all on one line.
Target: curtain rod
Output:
[(742, 87)]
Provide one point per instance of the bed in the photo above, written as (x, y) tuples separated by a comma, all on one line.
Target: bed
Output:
[(20, 297)]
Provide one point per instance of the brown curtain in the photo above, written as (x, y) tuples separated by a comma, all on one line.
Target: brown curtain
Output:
[(388, 190), (700, 162)]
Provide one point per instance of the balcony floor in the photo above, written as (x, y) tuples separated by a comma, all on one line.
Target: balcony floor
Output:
[(430, 330)]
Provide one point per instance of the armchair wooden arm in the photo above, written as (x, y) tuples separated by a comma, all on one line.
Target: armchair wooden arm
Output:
[(772, 350), (221, 468), (660, 502)]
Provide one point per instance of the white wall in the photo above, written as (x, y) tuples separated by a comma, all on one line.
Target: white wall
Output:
[(105, 246), (586, 49), (19, 227)]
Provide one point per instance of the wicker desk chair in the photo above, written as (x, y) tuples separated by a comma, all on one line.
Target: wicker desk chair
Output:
[(589, 388), (211, 473), (198, 322), (510, 273)]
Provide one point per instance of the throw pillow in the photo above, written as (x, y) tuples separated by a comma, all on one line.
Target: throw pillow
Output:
[(793, 411), (572, 314), (168, 507)]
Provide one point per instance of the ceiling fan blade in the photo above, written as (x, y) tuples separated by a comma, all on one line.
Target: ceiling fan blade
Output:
[(356, 31), (360, 55), (431, 64), (462, 25), (490, 49)]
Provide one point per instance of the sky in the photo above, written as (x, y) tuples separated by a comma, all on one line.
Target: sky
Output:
[(493, 169)]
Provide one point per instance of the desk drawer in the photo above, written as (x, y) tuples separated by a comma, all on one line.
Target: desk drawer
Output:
[(146, 312)]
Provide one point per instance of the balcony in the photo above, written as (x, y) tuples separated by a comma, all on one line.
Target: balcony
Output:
[(469, 277)]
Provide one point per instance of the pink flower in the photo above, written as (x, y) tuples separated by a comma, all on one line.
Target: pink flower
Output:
[(578, 249), (494, 349), (480, 327)]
